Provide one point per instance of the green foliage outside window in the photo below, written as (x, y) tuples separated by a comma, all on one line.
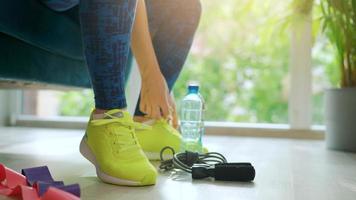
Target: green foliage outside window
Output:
[(240, 58)]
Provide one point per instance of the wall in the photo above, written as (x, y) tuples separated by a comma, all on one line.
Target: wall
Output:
[(4, 107)]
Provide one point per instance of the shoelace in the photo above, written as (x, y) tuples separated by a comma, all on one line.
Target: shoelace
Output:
[(122, 140), (166, 125)]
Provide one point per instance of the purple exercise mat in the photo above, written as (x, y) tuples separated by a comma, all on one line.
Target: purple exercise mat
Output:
[(43, 178), (37, 174), (43, 186)]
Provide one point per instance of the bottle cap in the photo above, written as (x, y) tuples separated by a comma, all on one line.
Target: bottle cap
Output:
[(193, 87)]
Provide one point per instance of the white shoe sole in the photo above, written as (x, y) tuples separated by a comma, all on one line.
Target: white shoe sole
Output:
[(87, 153)]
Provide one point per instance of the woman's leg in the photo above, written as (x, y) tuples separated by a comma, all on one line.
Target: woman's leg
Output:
[(106, 30), (172, 26)]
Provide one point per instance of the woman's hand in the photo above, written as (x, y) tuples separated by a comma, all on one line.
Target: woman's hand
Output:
[(155, 96), (154, 90)]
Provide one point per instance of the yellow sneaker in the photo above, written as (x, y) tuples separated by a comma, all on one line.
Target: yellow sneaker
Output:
[(111, 145), (161, 135)]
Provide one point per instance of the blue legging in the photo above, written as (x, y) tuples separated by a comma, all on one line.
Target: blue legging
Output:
[(106, 31)]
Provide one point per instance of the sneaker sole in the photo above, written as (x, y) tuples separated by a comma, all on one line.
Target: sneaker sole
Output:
[(87, 153)]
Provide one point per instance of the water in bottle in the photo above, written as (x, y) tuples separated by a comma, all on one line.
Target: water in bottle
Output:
[(191, 120)]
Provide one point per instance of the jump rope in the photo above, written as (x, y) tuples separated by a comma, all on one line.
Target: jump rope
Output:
[(204, 165)]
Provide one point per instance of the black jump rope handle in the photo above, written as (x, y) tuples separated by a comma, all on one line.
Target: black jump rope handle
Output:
[(243, 172)]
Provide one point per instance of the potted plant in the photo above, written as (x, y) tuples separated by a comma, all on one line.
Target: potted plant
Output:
[(339, 26)]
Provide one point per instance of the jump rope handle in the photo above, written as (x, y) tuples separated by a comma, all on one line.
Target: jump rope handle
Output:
[(243, 172)]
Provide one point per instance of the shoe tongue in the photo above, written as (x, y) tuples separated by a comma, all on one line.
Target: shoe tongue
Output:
[(149, 122), (115, 113)]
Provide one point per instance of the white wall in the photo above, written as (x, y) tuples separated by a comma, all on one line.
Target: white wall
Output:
[(4, 107), (10, 105)]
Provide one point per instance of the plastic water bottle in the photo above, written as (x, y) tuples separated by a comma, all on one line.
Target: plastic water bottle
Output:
[(202, 126), (191, 117)]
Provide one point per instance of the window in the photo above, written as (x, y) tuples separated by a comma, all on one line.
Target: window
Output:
[(45, 103), (240, 56)]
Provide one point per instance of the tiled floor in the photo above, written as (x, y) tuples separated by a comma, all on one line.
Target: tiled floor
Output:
[(286, 168)]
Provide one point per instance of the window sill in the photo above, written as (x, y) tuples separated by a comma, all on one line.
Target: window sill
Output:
[(211, 128)]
